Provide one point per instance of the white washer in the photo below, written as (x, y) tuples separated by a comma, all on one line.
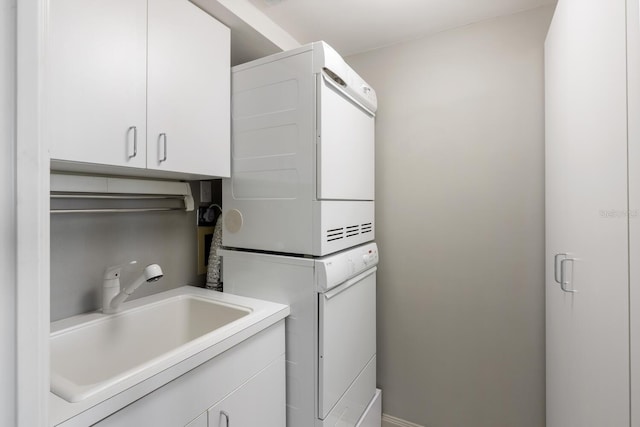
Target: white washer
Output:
[(331, 331)]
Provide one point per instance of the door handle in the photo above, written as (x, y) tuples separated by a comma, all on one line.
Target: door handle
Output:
[(135, 141), (226, 417), (555, 267), (163, 137), (564, 282)]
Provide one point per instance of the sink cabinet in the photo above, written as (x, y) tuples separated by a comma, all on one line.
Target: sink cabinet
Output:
[(201, 421), (247, 382), (140, 84), (258, 402)]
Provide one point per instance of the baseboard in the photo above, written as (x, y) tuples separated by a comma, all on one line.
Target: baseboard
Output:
[(389, 421)]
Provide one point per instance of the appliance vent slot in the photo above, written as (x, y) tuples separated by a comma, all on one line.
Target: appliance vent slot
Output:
[(335, 234), (353, 230), (367, 228)]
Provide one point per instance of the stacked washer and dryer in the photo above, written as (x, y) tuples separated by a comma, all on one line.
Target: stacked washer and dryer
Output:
[(299, 225)]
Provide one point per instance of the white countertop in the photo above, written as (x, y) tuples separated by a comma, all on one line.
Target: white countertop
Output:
[(88, 411)]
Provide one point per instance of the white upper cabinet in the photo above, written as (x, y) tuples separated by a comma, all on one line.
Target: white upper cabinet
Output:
[(96, 81), (188, 90), (138, 84)]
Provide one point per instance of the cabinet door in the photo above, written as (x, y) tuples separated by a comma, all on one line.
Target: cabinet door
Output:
[(633, 81), (587, 332), (96, 81), (258, 402), (189, 90), (201, 421)]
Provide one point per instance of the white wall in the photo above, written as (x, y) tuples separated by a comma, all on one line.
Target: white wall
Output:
[(7, 214), (83, 245), (460, 223)]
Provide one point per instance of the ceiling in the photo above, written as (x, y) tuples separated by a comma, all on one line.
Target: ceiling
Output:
[(354, 26)]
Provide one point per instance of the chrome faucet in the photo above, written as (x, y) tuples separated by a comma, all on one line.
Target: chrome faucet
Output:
[(112, 296)]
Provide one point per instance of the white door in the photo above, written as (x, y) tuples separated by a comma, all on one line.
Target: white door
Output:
[(189, 90), (346, 146), (587, 331), (346, 337), (95, 81), (201, 421), (633, 80), (260, 402)]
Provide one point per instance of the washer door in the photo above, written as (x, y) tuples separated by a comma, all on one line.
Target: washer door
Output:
[(347, 338)]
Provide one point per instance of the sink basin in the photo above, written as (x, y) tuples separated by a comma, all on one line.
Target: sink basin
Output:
[(93, 355)]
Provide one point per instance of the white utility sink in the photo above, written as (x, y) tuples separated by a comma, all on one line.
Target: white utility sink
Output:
[(95, 352)]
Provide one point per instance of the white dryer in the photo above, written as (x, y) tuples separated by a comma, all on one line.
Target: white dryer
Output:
[(302, 157)]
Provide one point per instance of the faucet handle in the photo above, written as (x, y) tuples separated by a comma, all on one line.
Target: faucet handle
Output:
[(114, 271)]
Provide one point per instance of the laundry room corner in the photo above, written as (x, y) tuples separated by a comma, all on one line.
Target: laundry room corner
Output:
[(460, 214)]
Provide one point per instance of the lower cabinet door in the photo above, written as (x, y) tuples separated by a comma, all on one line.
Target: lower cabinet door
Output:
[(201, 421), (261, 401)]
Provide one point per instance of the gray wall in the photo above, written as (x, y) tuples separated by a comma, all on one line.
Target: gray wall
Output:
[(460, 223), (83, 245), (7, 214)]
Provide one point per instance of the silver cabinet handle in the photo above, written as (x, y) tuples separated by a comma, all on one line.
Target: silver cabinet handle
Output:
[(135, 141), (163, 137), (555, 267), (226, 417), (564, 282)]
